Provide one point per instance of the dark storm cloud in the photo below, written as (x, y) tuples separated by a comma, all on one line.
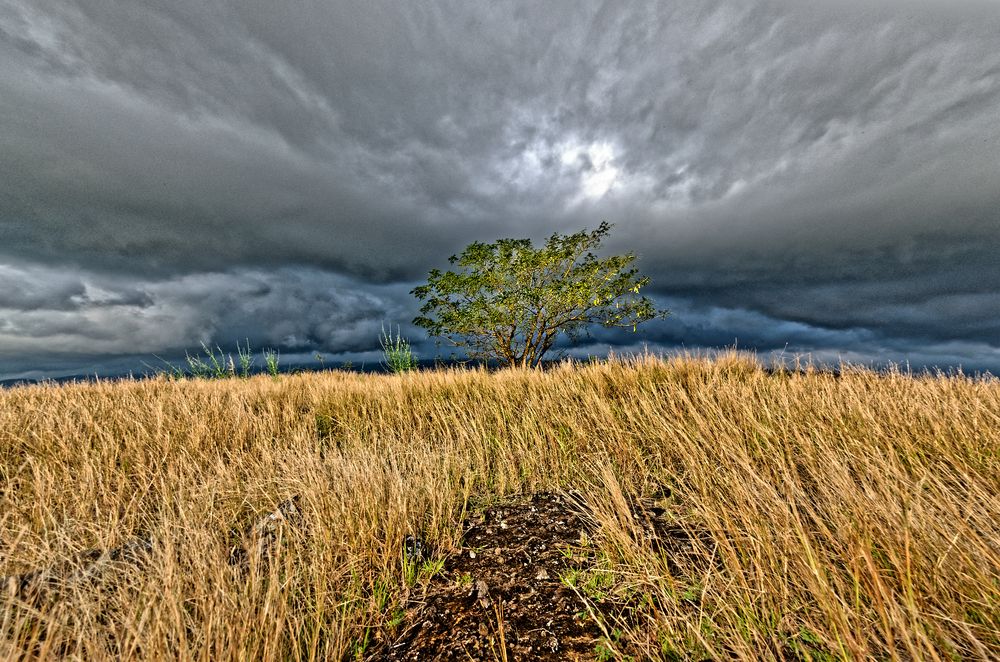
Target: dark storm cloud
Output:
[(290, 309), (822, 174)]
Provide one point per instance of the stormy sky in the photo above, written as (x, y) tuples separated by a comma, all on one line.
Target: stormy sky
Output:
[(796, 177)]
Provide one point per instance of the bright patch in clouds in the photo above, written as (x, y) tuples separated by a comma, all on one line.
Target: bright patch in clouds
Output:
[(598, 172), (588, 169)]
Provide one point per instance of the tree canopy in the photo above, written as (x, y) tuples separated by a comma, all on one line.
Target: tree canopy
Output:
[(509, 301)]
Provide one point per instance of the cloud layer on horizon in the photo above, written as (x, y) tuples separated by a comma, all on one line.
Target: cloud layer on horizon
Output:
[(812, 174)]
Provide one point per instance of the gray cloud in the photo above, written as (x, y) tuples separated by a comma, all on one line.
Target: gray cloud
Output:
[(823, 174), (291, 309)]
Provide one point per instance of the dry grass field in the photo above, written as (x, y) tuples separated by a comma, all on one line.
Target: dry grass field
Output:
[(824, 517)]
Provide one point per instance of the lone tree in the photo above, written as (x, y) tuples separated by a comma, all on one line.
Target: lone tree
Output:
[(510, 301)]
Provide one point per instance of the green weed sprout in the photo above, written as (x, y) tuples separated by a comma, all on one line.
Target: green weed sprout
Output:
[(271, 357), (396, 352)]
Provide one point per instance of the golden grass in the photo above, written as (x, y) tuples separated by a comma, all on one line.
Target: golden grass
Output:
[(844, 517)]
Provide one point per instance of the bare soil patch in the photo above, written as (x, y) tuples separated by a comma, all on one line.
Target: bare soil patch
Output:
[(500, 595), (525, 584)]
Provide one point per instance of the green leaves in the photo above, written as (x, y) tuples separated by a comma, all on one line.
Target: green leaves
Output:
[(510, 301)]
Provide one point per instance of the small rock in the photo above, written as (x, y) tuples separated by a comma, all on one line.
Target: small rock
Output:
[(472, 554), (482, 593)]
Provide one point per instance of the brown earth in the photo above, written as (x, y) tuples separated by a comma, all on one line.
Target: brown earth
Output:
[(510, 591), (500, 595)]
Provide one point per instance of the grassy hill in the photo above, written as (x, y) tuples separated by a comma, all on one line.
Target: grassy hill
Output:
[(701, 509)]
